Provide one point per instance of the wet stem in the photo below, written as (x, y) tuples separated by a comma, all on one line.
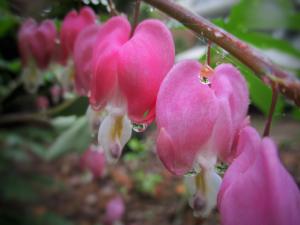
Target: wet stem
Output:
[(208, 56), (112, 8), (271, 111)]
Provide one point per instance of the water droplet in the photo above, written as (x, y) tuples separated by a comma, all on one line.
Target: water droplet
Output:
[(95, 2), (204, 80), (218, 34), (139, 127), (86, 2), (191, 173), (151, 9)]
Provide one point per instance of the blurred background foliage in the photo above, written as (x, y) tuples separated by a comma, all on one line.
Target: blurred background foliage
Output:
[(29, 136)]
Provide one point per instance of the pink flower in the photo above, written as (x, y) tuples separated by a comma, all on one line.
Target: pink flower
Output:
[(56, 93), (114, 211), (83, 54), (127, 73), (198, 121), (72, 25), (93, 159), (37, 42), (256, 188), (42, 103)]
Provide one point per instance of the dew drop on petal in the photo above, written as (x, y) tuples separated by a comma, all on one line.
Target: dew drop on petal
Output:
[(204, 80), (191, 173), (139, 127)]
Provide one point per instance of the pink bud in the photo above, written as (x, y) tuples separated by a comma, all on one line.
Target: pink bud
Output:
[(114, 211), (37, 42), (42, 102), (83, 55), (72, 25), (93, 159), (194, 117), (131, 67), (256, 188), (56, 93)]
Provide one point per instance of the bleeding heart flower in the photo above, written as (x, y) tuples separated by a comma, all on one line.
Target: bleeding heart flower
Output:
[(256, 188), (93, 160), (127, 73), (83, 54), (115, 209), (199, 114), (72, 25), (56, 93), (36, 45), (196, 120), (42, 103)]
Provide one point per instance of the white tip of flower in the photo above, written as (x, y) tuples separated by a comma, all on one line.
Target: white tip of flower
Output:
[(203, 191), (32, 78), (114, 133)]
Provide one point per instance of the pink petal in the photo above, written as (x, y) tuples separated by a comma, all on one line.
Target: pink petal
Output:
[(112, 35), (114, 211), (43, 43), (72, 25), (83, 56), (256, 188), (93, 159), (186, 110), (24, 36), (228, 83), (143, 63)]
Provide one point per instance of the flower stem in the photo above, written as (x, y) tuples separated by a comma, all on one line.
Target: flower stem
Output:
[(112, 8), (271, 112), (136, 16), (287, 84), (208, 54)]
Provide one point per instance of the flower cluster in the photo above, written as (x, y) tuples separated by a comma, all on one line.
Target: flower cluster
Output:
[(201, 113)]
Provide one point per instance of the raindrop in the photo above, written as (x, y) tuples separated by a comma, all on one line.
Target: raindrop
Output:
[(191, 173), (95, 2), (139, 127), (47, 10), (151, 9), (204, 80)]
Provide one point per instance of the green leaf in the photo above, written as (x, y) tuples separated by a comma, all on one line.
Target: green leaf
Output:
[(76, 138), (264, 15)]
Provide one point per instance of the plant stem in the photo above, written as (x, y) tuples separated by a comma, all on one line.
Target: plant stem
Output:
[(287, 84), (136, 16), (208, 54), (271, 112), (112, 8), (34, 119)]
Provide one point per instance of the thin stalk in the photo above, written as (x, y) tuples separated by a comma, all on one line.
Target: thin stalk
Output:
[(208, 54), (112, 8), (136, 16), (271, 111)]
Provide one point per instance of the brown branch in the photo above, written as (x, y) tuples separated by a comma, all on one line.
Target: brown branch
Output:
[(287, 84), (33, 119)]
